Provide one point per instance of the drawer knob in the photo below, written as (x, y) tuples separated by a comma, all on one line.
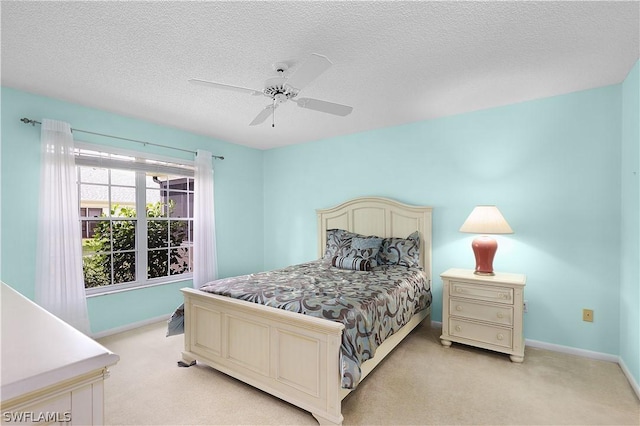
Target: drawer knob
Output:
[(504, 296), (500, 336), (458, 328), (459, 290), (458, 308), (500, 315)]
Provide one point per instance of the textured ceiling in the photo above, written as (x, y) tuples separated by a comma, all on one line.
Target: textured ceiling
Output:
[(394, 62)]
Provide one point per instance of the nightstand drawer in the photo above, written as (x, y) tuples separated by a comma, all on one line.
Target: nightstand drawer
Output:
[(482, 292), (492, 335), (479, 311)]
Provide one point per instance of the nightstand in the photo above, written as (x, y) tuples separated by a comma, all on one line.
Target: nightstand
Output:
[(484, 311)]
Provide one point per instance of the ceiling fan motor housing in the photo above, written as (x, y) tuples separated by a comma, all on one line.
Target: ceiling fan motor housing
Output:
[(277, 89)]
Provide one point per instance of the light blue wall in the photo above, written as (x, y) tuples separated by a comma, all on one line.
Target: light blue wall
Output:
[(630, 224), (551, 166), (238, 198)]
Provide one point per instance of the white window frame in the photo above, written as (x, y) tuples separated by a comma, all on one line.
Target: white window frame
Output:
[(183, 168)]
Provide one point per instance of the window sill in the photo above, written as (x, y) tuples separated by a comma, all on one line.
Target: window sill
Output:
[(108, 291)]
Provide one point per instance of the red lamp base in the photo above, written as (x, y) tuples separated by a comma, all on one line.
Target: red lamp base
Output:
[(484, 248)]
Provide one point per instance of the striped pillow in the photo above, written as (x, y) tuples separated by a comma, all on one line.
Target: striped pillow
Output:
[(354, 263), (365, 248)]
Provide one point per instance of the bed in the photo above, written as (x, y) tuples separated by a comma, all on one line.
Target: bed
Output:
[(292, 356)]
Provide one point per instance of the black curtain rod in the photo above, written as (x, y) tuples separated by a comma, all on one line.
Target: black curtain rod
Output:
[(34, 122)]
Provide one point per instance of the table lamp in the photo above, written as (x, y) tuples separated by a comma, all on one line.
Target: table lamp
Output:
[(485, 220)]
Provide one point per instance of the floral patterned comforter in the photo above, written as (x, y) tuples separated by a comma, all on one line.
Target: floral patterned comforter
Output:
[(372, 305)]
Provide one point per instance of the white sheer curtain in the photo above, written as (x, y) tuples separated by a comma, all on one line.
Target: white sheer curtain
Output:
[(59, 281), (205, 259)]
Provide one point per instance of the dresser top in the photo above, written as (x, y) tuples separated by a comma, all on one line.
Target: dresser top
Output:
[(39, 349), (498, 278)]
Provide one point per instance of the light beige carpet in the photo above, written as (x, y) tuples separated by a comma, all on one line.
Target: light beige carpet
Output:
[(420, 382)]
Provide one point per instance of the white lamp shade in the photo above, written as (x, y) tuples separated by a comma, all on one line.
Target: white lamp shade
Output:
[(486, 220)]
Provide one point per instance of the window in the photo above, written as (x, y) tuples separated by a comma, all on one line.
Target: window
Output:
[(136, 217)]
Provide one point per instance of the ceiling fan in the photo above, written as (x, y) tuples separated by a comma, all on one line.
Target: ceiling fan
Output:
[(282, 88)]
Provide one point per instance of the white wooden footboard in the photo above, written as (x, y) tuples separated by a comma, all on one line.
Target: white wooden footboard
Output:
[(294, 357)]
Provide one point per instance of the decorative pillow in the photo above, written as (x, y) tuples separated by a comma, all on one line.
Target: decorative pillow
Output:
[(354, 263), (400, 251), (365, 248), (338, 243)]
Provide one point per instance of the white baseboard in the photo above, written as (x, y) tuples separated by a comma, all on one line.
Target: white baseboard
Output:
[(573, 351), (128, 327), (630, 378)]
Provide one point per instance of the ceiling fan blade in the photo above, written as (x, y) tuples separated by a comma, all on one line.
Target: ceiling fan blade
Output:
[(224, 86), (323, 106), (263, 115), (309, 71)]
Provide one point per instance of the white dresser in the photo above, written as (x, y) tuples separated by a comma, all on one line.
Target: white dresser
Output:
[(51, 372), (484, 311)]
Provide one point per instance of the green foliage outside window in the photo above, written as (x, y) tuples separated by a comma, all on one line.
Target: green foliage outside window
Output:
[(114, 242)]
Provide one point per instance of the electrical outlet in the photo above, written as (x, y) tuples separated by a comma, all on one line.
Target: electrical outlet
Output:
[(587, 315), (525, 306)]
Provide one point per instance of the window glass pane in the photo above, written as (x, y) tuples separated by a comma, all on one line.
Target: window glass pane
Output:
[(123, 201), (99, 240), (123, 177), (150, 183), (157, 208), (180, 261), (156, 197), (157, 234), (179, 232), (153, 198), (157, 263), (92, 212), (179, 183), (94, 196), (124, 235), (96, 270), (180, 204), (94, 175), (95, 233), (124, 267)]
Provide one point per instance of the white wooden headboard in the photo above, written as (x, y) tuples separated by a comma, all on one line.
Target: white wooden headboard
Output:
[(381, 217)]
